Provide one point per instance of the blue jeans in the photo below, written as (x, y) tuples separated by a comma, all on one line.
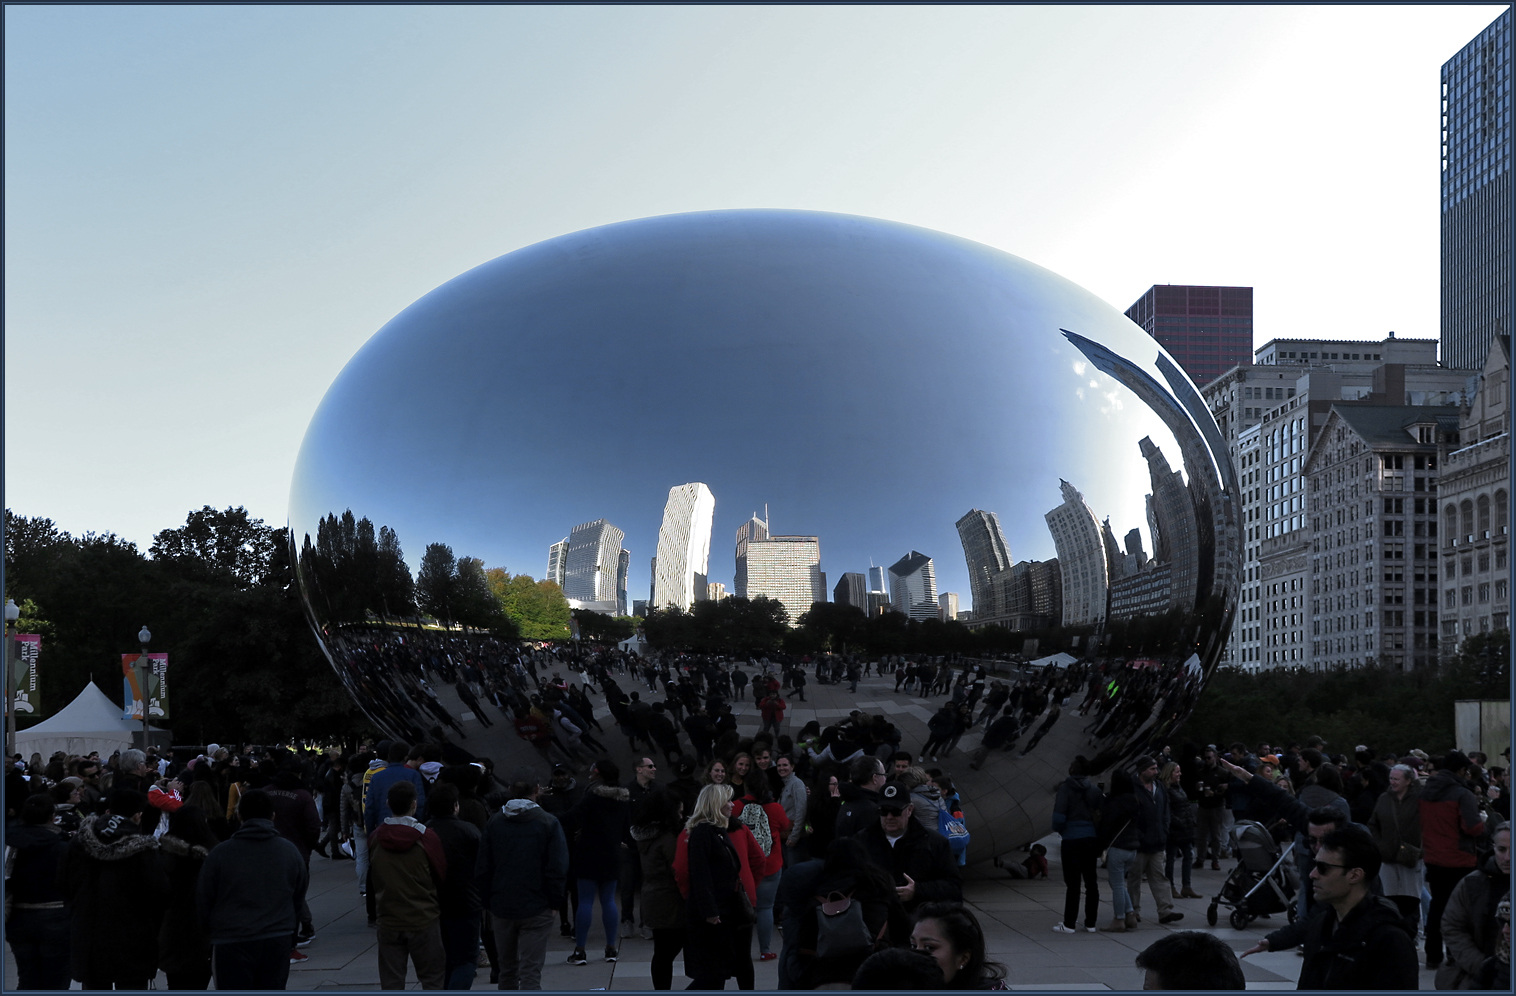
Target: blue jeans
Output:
[(768, 888), (588, 889), (1185, 851), (1117, 861), (460, 943)]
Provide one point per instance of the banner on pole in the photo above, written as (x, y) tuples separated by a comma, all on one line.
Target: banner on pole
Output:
[(27, 680), (157, 687)]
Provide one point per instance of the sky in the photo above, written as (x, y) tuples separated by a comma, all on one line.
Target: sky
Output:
[(210, 209)]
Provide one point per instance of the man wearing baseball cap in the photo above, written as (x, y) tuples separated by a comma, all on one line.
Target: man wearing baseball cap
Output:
[(920, 860)]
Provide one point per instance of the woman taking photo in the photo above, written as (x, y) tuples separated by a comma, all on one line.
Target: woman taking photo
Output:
[(663, 908), (717, 911), (950, 933)]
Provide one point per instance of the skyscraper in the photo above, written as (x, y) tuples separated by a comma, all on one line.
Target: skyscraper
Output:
[(879, 581), (947, 606), (592, 566), (556, 555), (1476, 196), (623, 568), (913, 586), (684, 547), (1081, 558), (988, 557), (788, 570), (1171, 520), (853, 590), (752, 530), (1208, 330)]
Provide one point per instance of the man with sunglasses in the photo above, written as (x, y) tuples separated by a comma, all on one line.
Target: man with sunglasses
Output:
[(1361, 942)]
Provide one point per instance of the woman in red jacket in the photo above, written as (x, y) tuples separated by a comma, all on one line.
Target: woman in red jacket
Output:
[(749, 856), (769, 824)]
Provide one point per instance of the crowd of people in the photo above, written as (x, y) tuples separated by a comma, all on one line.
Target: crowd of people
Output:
[(834, 853)]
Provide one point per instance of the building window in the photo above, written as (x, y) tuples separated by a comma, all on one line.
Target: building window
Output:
[(1484, 593), (1468, 594)]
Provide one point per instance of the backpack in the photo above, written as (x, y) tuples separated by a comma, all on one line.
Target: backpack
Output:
[(756, 820), (840, 927), (952, 826)]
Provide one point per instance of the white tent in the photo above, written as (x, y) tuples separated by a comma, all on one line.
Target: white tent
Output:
[(1056, 660), (90, 722), (634, 644)]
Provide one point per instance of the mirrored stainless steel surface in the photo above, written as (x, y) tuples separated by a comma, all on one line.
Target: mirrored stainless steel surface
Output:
[(868, 383)]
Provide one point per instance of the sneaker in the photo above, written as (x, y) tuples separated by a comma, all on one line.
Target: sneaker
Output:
[(1061, 929), (565, 930), (306, 935), (647, 932), (1171, 918), (1089, 930), (610, 954), (767, 956), (297, 957), (578, 958)]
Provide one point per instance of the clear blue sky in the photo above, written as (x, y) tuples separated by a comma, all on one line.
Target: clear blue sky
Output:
[(209, 209)]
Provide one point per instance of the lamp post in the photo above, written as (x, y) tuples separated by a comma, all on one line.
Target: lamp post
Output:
[(144, 668), (12, 613)]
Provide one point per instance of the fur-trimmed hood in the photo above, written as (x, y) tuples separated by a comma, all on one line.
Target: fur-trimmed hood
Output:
[(179, 847), (114, 838), (612, 793)]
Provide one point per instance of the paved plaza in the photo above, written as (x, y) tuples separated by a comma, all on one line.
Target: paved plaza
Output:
[(1018, 916)]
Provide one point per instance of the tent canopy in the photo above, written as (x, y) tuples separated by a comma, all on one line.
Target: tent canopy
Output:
[(90, 722), (1055, 660)]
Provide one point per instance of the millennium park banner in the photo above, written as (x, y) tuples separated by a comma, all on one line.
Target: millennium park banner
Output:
[(27, 679), (157, 687)]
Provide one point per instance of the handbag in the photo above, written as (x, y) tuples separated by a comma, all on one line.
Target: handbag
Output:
[(1408, 855), (745, 905)]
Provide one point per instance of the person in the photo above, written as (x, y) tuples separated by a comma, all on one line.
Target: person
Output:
[(1450, 823), (38, 925), (898, 968), (376, 794), (663, 908), (1075, 811), (352, 828), (793, 799), (458, 898), (848, 872), (1470, 930), (716, 914), (1395, 825), (296, 820), (740, 771), (951, 934), (920, 860), (110, 867), (1153, 818), (1210, 819), (184, 948), (521, 873), (1361, 942), (408, 868), (1119, 835), (1181, 832), (249, 895), (598, 825), (629, 877), (860, 807), (1189, 960)]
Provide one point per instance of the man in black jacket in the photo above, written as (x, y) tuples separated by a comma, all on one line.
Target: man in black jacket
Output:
[(250, 890), (860, 808), (38, 926), (920, 860), (459, 894), (1361, 942), (1153, 818)]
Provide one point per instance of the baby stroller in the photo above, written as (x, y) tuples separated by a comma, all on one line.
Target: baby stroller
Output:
[(1260, 883)]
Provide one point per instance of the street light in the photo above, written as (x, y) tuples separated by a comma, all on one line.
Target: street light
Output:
[(12, 613), (143, 664)]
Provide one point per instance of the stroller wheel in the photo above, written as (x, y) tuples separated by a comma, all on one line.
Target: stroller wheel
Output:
[(1210, 914), (1240, 919)]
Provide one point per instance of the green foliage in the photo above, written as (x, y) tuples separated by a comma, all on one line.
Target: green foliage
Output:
[(1381, 707), (219, 597), (538, 609), (728, 626), (597, 627), (351, 571), (437, 582)]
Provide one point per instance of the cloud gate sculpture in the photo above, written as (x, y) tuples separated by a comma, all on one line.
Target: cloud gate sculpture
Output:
[(862, 389)]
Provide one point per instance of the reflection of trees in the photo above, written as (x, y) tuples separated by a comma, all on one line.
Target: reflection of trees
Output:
[(729, 626), (351, 570)]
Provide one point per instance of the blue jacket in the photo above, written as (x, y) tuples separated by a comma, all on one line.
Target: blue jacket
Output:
[(523, 861), (376, 804)]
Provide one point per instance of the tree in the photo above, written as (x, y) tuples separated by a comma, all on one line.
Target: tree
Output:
[(537, 608), (230, 542), (476, 604), (437, 582), (597, 627)]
